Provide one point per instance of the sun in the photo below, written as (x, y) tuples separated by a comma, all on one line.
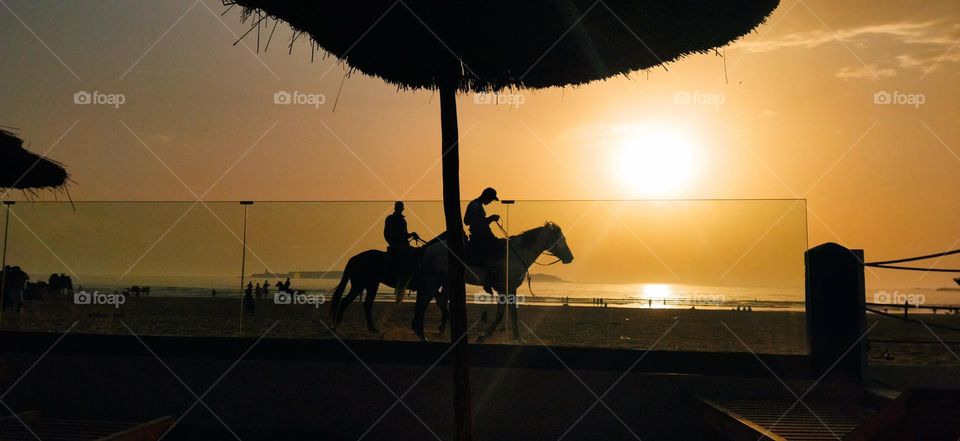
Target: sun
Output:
[(655, 162)]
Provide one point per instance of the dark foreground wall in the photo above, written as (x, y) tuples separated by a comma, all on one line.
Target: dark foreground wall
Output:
[(318, 390)]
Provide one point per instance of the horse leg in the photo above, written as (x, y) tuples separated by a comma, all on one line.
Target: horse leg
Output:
[(368, 306), (444, 305), (424, 296), (354, 292), (501, 308), (335, 307)]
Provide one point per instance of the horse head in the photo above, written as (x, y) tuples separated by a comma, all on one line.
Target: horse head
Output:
[(557, 243)]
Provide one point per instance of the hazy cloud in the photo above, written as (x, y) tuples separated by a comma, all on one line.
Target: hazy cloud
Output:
[(918, 46), (861, 72)]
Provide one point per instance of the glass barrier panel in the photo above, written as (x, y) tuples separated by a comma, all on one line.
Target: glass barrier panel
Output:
[(152, 268), (698, 275), (722, 275)]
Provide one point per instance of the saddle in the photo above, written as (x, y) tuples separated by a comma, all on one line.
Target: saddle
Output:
[(404, 263), (484, 254)]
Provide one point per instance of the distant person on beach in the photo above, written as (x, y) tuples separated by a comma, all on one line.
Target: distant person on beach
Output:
[(286, 285), (258, 291), (66, 283), (248, 299), (14, 281), (266, 289), (53, 283), (279, 286), (213, 293)]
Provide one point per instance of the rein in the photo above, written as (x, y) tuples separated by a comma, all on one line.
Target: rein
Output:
[(551, 263), (524, 262)]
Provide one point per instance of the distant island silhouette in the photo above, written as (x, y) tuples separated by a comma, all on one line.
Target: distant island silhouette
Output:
[(300, 275), (547, 278)]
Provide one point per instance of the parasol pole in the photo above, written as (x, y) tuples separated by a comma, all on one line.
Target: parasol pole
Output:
[(455, 284), (3, 266)]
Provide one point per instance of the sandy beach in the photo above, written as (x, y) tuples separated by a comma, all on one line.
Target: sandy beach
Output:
[(773, 332)]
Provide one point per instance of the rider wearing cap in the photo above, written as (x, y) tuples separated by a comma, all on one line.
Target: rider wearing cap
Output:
[(482, 241)]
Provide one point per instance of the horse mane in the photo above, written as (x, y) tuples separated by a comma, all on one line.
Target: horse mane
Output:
[(529, 234)]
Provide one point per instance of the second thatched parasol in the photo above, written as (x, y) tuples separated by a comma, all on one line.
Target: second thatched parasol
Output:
[(22, 170)]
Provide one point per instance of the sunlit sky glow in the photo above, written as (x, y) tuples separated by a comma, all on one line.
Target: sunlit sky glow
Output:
[(789, 111)]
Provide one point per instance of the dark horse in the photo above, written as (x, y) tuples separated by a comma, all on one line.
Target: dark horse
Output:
[(526, 248), (365, 271)]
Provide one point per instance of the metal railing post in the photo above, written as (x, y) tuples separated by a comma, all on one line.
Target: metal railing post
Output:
[(3, 266), (511, 311), (243, 263)]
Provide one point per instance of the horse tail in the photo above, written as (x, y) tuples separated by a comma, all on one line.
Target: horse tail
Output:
[(341, 287)]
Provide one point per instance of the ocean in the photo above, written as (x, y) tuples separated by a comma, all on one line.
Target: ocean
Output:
[(634, 295)]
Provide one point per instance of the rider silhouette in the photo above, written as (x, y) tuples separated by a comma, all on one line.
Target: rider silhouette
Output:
[(482, 248), (395, 232), (398, 246)]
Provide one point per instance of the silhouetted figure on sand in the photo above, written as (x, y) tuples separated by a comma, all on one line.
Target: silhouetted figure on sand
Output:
[(66, 284), (14, 281), (279, 286), (258, 291), (248, 299), (53, 283), (266, 289), (286, 285), (60, 284)]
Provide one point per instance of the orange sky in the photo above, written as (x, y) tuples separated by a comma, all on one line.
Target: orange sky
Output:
[(796, 118)]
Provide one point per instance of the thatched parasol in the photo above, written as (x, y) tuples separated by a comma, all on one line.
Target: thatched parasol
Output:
[(23, 170), (491, 45)]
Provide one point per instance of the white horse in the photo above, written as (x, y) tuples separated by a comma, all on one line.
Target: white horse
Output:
[(525, 249)]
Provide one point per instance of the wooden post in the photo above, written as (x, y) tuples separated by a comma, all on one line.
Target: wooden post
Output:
[(455, 285), (835, 302)]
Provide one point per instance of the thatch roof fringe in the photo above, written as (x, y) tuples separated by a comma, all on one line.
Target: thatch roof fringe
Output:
[(541, 44)]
